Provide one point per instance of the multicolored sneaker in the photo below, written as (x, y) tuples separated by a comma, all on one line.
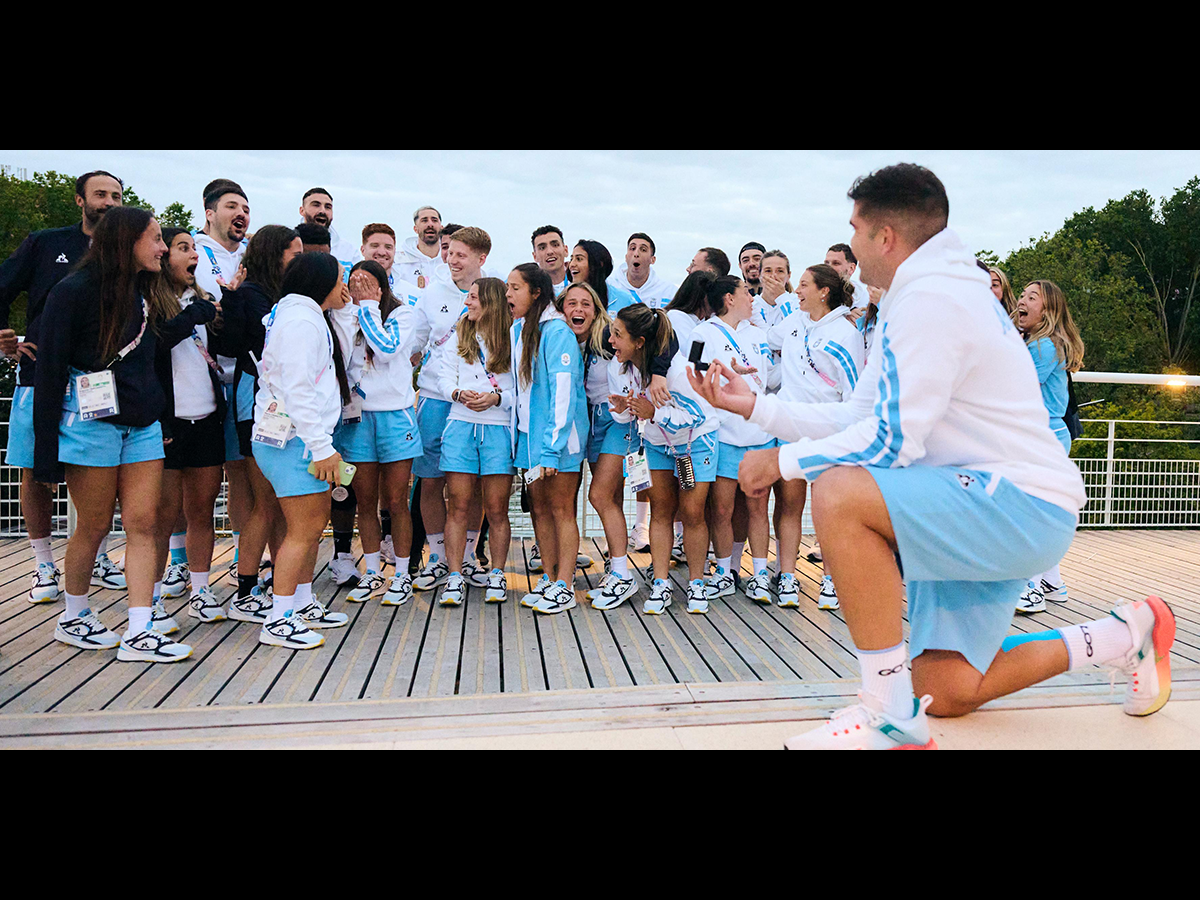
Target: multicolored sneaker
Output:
[(559, 598), (678, 553), (867, 727), (829, 598), (400, 591), (759, 588), (433, 576), (105, 574), (697, 598), (255, 609), (497, 589), (46, 588), (1032, 601), (721, 585), (152, 647), (584, 562), (176, 581), (789, 592), (473, 575), (291, 633), (639, 539), (1152, 624), (205, 606), (86, 632), (615, 592), (345, 572), (535, 561), (161, 620), (315, 615), (816, 557), (387, 551), (1053, 594), (532, 599), (368, 586), (455, 592), (661, 598)]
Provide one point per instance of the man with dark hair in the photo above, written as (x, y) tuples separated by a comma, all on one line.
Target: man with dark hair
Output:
[(447, 233), (750, 260), (942, 455), (550, 253), (710, 259), (841, 257), (315, 238), (418, 259), (638, 276), (43, 260), (317, 209)]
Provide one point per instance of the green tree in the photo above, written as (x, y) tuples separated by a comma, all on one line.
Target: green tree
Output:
[(175, 216)]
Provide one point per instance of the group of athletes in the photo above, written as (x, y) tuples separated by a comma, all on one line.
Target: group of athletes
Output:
[(899, 386)]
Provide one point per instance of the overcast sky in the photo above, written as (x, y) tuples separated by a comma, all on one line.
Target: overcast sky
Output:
[(794, 200)]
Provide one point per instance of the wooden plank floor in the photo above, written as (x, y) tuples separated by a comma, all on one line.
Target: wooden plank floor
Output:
[(425, 651)]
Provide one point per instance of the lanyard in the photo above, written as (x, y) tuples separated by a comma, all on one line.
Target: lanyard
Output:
[(490, 376), (451, 332), (745, 358), (825, 378), (212, 363), (213, 259), (136, 342)]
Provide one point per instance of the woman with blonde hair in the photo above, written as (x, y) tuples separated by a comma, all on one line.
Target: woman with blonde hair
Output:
[(1003, 290), (1044, 320)]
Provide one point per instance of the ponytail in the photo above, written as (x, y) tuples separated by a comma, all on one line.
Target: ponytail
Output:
[(841, 291)]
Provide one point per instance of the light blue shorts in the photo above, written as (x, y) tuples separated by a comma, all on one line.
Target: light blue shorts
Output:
[(20, 430), (470, 448), (731, 458), (969, 541), (432, 416), (233, 449), (705, 458), (102, 445), (245, 398), (381, 437), (287, 469), (567, 463)]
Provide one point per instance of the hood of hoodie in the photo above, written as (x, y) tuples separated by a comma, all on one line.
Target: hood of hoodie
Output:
[(299, 307), (943, 256), (655, 283), (834, 316)]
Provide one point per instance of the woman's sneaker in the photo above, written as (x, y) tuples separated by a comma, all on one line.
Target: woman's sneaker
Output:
[(497, 588), (86, 632), (720, 585), (1054, 594), (45, 588), (829, 598), (105, 574), (176, 581), (473, 575), (433, 576), (152, 647), (291, 633), (255, 609), (368, 587), (661, 596), (529, 601), (205, 607), (559, 598), (400, 591), (614, 592), (697, 598), (759, 588), (160, 620), (866, 727), (535, 561), (345, 572), (1032, 601), (315, 615), (1148, 666), (789, 592), (387, 551), (639, 539), (455, 592), (678, 554)]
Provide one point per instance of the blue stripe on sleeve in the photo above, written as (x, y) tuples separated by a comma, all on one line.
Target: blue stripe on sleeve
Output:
[(838, 352)]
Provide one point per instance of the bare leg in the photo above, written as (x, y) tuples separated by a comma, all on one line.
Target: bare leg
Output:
[(37, 505), (368, 489), (265, 522), (543, 527), (393, 493), (789, 516), (496, 492), (724, 502), (241, 496), (94, 492), (691, 512), (606, 496), (200, 490), (563, 489), (170, 508), (433, 505), (306, 519), (759, 526), (460, 492), (139, 487), (664, 503)]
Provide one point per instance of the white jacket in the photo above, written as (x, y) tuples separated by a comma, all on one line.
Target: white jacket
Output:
[(344, 251), (683, 325), (684, 420), (297, 370), (748, 346), (437, 313), (460, 375), (386, 380), (412, 265), (217, 262), (820, 362), (656, 293), (949, 383), (767, 316)]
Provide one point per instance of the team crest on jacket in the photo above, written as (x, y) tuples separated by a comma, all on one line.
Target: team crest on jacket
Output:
[(966, 481)]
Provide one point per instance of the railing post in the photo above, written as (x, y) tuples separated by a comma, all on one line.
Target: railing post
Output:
[(1109, 472)]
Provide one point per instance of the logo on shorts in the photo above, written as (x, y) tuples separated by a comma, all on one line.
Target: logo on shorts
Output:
[(708, 460), (966, 481), (408, 437), (62, 258)]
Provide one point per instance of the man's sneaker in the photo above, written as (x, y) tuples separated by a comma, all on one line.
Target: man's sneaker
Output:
[(639, 539), (105, 574), (45, 584), (789, 592), (315, 615), (152, 647), (86, 632), (829, 598), (559, 598), (176, 581), (497, 588), (678, 554), (759, 588), (387, 551), (535, 561), (816, 557), (161, 620), (433, 576), (1054, 594), (233, 569), (400, 591), (1032, 601), (205, 606), (1152, 624), (720, 585), (291, 632), (368, 587), (661, 596), (455, 592), (584, 562), (697, 599), (867, 727), (614, 591), (345, 572), (255, 609), (473, 575), (530, 600)]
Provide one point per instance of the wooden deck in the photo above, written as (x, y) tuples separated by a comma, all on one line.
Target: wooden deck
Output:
[(425, 652)]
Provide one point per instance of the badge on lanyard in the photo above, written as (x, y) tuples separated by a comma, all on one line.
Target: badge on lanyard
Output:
[(275, 428), (97, 393), (352, 412), (638, 469)]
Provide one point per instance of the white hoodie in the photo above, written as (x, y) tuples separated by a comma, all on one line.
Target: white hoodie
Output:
[(297, 370), (387, 379), (217, 262), (950, 383), (748, 347), (437, 313), (767, 316), (460, 375), (820, 362), (414, 266), (681, 422), (656, 293)]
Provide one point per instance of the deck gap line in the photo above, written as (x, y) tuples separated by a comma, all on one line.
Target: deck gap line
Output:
[(412, 684)]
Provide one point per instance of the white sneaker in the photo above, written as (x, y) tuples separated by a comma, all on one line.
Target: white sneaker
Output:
[(205, 607), (639, 539), (789, 592), (455, 592), (387, 551), (661, 596), (315, 615), (759, 588), (497, 589), (816, 556), (614, 592), (1152, 624), (233, 570), (345, 572), (529, 601), (535, 561), (697, 599), (433, 576), (1054, 594), (583, 561), (105, 574), (865, 727), (400, 591), (255, 609), (291, 633), (720, 585), (46, 588), (1032, 601), (559, 598), (473, 575), (368, 587), (678, 554), (160, 620), (152, 647), (829, 598), (86, 632), (176, 581)]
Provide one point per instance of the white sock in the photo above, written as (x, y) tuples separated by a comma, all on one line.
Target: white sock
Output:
[(643, 515), (1053, 578), (237, 540), (41, 550), (199, 581), (724, 565), (373, 563), (437, 546), (179, 541), (304, 595), (620, 566), (76, 604), (157, 591), (888, 680), (739, 551), (678, 531), (760, 565), (282, 606), (103, 551), (403, 564), (472, 543), (1096, 643), (139, 619)]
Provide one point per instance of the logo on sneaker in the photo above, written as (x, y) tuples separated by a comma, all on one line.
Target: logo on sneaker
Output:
[(62, 258)]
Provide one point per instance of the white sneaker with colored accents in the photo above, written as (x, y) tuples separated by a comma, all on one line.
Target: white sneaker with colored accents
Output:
[(176, 581), (789, 592), (678, 553), (152, 647), (1054, 594), (315, 615), (867, 727), (254, 609), (829, 598), (433, 576), (1032, 601), (387, 551), (455, 592), (161, 620), (497, 588), (759, 588), (661, 598), (473, 575), (639, 539), (400, 591), (205, 606), (816, 556), (721, 585), (697, 598), (345, 572), (559, 598), (46, 588), (530, 600), (614, 593), (86, 632), (535, 561), (368, 586), (1148, 666), (291, 633), (105, 574)]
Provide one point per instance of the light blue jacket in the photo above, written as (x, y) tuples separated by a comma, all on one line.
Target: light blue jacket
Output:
[(558, 414)]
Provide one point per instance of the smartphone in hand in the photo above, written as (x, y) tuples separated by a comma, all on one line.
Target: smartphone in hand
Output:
[(697, 357)]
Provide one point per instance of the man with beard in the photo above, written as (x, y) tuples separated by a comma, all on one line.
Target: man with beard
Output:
[(317, 209), (421, 254), (750, 260), (42, 261)]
